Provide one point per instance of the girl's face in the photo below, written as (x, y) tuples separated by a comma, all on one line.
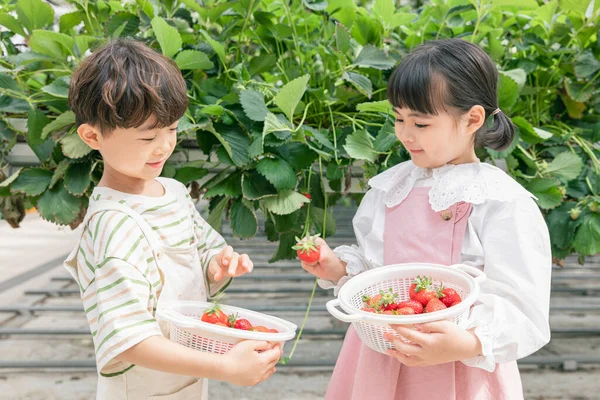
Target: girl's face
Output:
[(435, 140)]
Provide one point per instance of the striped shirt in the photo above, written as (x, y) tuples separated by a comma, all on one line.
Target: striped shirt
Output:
[(116, 271)]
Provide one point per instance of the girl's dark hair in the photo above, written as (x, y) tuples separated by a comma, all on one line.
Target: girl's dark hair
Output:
[(452, 75), (123, 84)]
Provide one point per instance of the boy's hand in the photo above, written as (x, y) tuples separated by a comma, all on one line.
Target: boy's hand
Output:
[(329, 266), (228, 263), (250, 362)]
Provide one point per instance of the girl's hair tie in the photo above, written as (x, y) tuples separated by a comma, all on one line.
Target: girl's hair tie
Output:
[(496, 111)]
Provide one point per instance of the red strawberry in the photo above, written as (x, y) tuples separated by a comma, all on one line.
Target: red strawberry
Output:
[(455, 303), (372, 302), (448, 296), (435, 305), (214, 315), (389, 312), (307, 195), (307, 249), (414, 304), (388, 299), (273, 330), (406, 311), (222, 324), (369, 309), (239, 323), (421, 290), (260, 329)]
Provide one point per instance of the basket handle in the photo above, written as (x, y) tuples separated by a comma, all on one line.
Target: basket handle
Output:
[(332, 308), (478, 275)]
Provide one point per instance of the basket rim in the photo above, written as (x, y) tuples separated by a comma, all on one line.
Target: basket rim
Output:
[(451, 312), (167, 313)]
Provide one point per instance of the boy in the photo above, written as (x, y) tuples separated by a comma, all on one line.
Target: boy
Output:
[(143, 242)]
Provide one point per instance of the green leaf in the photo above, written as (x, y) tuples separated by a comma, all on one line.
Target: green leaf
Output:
[(217, 47), (59, 87), (361, 82), (32, 181), (168, 37), (63, 120), (243, 220), (212, 109), (508, 92), (239, 143), (193, 59), (78, 177), (315, 5), (286, 202), (69, 21), (578, 7), (278, 172), (298, 155), (342, 38), (7, 82), (579, 92), (253, 103), (359, 146), (586, 66), (547, 192), (255, 186), (186, 175), (36, 121), (215, 217), (384, 9), (59, 206), (5, 184), (34, 14), (372, 57), (11, 23), (518, 75), (284, 250), (230, 186), (210, 128), (146, 7), (10, 104), (290, 95), (73, 147), (386, 138), (262, 63), (566, 165), (53, 44), (587, 239), (516, 4), (561, 225), (528, 133), (122, 24), (59, 172), (401, 19), (318, 217), (382, 106)]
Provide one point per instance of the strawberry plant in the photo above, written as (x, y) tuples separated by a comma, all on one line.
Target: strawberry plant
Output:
[(287, 96)]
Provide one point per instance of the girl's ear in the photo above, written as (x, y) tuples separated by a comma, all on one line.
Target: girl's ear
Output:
[(475, 119), (90, 135)]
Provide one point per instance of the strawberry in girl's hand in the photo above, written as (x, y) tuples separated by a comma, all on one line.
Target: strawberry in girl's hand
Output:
[(414, 304), (448, 296), (239, 323), (421, 290), (260, 329), (434, 305), (307, 249), (214, 315)]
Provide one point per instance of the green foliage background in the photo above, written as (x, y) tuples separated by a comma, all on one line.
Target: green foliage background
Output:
[(288, 95)]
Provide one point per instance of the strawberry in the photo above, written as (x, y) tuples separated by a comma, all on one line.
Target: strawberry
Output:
[(307, 195), (434, 305), (222, 324), (214, 315), (421, 290), (307, 249), (414, 304), (455, 303), (448, 296), (406, 311), (239, 323), (260, 329), (388, 298), (369, 309), (373, 302), (273, 330), (389, 312)]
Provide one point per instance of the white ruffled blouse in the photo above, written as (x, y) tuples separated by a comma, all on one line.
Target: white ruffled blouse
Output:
[(506, 236)]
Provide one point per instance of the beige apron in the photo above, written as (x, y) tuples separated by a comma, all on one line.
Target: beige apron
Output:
[(183, 279)]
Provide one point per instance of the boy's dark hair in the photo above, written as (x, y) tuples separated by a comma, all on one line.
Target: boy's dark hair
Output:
[(123, 84), (452, 74)]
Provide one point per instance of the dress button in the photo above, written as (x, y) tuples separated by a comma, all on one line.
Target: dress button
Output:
[(446, 215)]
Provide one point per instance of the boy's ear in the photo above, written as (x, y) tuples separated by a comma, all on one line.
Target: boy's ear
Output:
[(475, 119), (90, 135)]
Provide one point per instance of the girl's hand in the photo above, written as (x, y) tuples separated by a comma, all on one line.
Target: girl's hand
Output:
[(250, 362), (228, 263), (433, 343), (329, 266)]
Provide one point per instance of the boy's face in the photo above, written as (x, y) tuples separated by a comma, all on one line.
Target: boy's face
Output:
[(137, 153)]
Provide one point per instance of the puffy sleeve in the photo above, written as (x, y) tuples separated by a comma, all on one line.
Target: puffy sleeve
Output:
[(368, 252), (117, 288), (511, 315)]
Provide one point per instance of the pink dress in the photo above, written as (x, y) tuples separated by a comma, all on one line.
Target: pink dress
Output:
[(415, 233)]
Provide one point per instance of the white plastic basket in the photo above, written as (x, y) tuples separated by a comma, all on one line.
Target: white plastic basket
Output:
[(187, 329), (371, 327)]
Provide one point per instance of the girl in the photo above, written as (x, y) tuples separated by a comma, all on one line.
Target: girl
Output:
[(446, 207)]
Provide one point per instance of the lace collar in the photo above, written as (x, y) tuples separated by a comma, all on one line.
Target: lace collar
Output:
[(473, 183)]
